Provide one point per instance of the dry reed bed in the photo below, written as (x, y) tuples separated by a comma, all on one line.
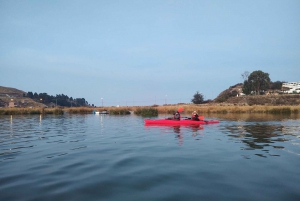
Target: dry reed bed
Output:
[(188, 109), (237, 109), (21, 111), (79, 110), (89, 110), (202, 109)]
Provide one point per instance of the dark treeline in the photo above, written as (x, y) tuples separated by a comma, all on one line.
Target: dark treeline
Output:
[(58, 100)]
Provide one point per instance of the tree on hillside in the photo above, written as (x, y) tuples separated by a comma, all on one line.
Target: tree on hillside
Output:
[(35, 96), (247, 88), (257, 80), (245, 75), (198, 98), (59, 99), (81, 101), (30, 94), (44, 97), (276, 85)]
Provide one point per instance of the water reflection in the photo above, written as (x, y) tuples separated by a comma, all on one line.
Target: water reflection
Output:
[(178, 135), (262, 136), (11, 126), (250, 117), (179, 130)]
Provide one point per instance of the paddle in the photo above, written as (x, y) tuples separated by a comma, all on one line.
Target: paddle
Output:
[(180, 109), (186, 117)]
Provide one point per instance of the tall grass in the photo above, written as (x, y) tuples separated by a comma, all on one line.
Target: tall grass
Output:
[(56, 111), (26, 111), (80, 110), (119, 111), (146, 111), (224, 109), (284, 110), (150, 111)]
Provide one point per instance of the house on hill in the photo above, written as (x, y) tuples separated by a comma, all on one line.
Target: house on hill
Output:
[(291, 87), (12, 104)]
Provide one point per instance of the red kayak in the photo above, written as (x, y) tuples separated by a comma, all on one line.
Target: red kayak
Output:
[(178, 122)]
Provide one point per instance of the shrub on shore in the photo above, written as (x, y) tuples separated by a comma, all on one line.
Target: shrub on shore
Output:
[(119, 112), (146, 112)]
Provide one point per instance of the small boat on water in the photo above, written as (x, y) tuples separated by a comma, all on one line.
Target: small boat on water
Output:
[(178, 122), (101, 112)]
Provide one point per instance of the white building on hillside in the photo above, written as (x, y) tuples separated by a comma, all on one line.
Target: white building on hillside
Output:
[(291, 87)]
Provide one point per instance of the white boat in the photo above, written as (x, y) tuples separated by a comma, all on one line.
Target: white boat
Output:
[(102, 112)]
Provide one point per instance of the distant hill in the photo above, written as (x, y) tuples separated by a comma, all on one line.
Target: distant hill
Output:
[(8, 91), (8, 94), (30, 99), (232, 91), (232, 96)]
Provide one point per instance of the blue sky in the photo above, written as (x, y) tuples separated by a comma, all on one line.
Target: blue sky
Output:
[(145, 52)]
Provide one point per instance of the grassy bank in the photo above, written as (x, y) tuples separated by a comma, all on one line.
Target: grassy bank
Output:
[(79, 110), (204, 109), (26, 111), (216, 108), (153, 111)]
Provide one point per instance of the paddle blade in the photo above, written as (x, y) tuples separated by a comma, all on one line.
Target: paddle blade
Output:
[(201, 118), (180, 109)]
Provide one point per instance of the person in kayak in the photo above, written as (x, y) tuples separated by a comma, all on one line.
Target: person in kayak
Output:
[(176, 116), (195, 116)]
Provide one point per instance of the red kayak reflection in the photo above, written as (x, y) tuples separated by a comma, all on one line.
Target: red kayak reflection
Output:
[(177, 129)]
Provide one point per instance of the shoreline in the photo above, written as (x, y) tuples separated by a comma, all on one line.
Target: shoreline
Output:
[(166, 109)]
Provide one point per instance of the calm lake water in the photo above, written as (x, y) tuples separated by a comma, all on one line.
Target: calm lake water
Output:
[(94, 157)]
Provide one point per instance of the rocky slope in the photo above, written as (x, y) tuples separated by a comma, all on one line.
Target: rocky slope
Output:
[(232, 91)]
